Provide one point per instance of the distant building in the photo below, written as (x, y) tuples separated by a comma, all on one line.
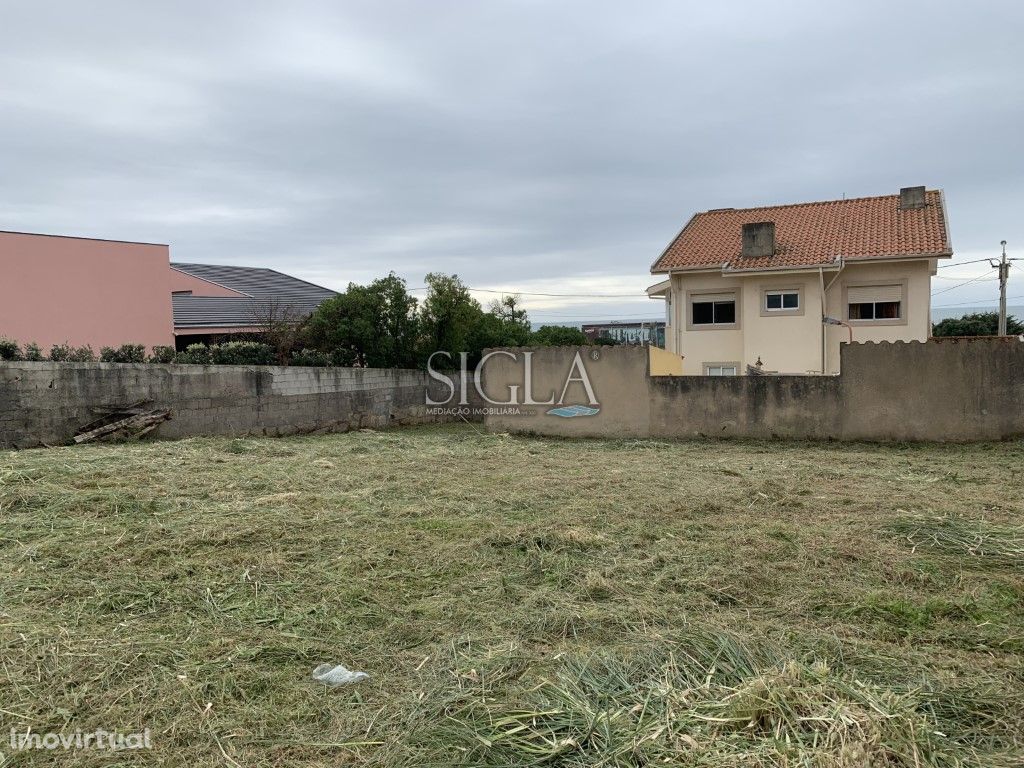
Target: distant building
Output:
[(212, 301), (786, 284), (84, 291), (645, 333)]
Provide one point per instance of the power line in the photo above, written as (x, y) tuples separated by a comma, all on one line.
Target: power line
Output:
[(961, 263), (561, 295), (979, 277), (590, 316), (960, 285), (963, 303)]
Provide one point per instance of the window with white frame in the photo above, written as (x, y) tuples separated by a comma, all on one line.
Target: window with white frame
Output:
[(781, 301), (716, 309), (875, 302), (718, 369)]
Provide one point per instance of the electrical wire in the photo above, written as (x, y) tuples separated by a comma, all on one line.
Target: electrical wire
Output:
[(560, 295), (978, 277), (974, 303), (960, 285), (591, 316), (961, 263)]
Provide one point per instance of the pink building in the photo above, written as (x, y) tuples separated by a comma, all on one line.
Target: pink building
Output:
[(78, 291)]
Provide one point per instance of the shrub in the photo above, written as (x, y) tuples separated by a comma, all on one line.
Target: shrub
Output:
[(63, 353), (196, 354), (558, 336), (83, 354), (9, 350), (977, 324), (60, 353), (243, 353), (33, 352), (343, 358), (163, 354), (310, 357), (126, 353)]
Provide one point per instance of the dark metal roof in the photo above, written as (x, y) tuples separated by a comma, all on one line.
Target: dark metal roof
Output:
[(270, 293)]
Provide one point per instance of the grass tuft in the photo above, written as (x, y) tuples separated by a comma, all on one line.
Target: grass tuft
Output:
[(957, 535), (709, 699)]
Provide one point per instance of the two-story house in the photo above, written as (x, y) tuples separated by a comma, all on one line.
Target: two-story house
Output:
[(780, 287)]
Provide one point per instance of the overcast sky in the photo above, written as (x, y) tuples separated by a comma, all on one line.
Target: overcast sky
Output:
[(546, 146)]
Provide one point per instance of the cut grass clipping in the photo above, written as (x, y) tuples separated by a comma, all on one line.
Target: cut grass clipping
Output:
[(515, 601), (997, 544), (708, 700)]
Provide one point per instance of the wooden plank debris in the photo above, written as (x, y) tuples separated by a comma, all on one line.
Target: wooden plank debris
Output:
[(128, 423)]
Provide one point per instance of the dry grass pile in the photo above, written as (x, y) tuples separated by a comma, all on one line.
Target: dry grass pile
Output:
[(957, 535), (706, 699)]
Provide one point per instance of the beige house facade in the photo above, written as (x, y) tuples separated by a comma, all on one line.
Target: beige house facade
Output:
[(778, 289)]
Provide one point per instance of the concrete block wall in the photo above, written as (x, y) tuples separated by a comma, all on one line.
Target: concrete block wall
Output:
[(46, 403), (941, 390)]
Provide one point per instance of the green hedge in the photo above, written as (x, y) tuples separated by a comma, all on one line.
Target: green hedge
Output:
[(229, 353), (126, 353)]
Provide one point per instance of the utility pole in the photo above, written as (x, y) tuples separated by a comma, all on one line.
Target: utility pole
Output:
[(1004, 274)]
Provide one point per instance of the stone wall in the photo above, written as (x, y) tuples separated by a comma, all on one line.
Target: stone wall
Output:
[(940, 390), (45, 403)]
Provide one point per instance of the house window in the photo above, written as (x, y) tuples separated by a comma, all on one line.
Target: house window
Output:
[(875, 302), (720, 369), (714, 310), (781, 301)]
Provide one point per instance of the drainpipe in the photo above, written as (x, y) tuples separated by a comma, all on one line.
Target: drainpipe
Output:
[(824, 335), (677, 313), (825, 319)]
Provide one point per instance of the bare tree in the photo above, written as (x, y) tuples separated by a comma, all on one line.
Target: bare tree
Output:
[(280, 325)]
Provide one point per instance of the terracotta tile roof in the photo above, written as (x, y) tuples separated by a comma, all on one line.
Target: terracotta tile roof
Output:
[(809, 234)]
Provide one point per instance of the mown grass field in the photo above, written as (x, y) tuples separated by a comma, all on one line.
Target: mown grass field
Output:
[(516, 601)]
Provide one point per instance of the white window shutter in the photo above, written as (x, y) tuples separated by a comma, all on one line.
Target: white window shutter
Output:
[(705, 297), (867, 294)]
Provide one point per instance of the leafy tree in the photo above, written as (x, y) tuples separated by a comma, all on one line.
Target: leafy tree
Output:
[(371, 325), (505, 325), (978, 324), (401, 323), (450, 318), (558, 336)]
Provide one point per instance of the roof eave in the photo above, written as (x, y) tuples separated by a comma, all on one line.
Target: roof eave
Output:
[(840, 261), (654, 267), (690, 270), (945, 221)]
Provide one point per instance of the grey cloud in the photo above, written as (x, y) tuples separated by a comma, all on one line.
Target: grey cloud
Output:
[(517, 143)]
